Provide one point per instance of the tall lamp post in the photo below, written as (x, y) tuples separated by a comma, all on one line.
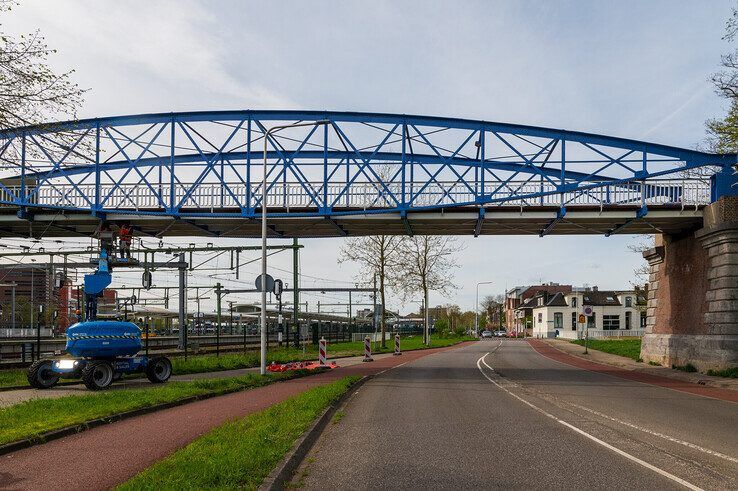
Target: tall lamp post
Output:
[(263, 323), (476, 306)]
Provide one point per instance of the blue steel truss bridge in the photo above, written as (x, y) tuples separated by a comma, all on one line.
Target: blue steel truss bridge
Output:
[(346, 173)]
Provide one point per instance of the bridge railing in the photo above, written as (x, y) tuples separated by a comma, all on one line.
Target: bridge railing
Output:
[(211, 196)]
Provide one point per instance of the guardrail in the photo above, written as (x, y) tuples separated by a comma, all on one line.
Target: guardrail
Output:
[(367, 195)]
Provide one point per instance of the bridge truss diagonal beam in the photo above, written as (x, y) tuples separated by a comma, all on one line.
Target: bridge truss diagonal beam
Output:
[(205, 165)]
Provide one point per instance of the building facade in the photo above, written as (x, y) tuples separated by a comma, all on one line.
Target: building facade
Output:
[(614, 313), (515, 298)]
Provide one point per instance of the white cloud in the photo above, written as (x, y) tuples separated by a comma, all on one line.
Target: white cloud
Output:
[(177, 42)]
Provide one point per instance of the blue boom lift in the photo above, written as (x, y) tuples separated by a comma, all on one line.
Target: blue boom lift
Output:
[(100, 351)]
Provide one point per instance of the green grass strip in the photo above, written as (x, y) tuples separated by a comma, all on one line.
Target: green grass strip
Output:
[(234, 361), (241, 453), (31, 418), (731, 372), (629, 348), (13, 378)]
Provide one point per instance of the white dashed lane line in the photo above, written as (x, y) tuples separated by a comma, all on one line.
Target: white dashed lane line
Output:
[(593, 438)]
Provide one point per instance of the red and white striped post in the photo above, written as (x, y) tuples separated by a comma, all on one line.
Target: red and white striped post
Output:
[(397, 345), (322, 352), (368, 349)]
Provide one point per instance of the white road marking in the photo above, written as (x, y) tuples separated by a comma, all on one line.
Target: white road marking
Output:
[(672, 439), (655, 433), (584, 433)]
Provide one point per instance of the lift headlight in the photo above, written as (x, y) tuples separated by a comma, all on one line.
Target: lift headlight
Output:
[(66, 364)]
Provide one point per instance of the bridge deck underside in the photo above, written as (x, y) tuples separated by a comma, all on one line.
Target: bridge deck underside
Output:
[(456, 221)]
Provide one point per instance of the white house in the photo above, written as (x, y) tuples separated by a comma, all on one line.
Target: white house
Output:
[(615, 313)]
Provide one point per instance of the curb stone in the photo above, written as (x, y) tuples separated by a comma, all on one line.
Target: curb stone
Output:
[(285, 470)]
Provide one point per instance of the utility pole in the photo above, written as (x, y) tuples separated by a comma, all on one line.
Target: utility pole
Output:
[(182, 306), (217, 320), (33, 289), (295, 291)]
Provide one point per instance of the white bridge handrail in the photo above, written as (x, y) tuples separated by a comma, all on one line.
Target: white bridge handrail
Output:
[(363, 195)]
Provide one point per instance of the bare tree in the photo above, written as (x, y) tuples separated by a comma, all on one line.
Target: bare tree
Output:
[(642, 272), (426, 263), (375, 254), (722, 134), (30, 90)]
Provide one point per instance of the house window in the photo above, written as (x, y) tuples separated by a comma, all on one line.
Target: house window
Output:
[(643, 320), (573, 321), (540, 301), (592, 321), (628, 301), (628, 319), (558, 320), (540, 317), (573, 301), (610, 322)]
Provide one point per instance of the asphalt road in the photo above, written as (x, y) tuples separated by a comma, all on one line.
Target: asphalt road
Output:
[(499, 415)]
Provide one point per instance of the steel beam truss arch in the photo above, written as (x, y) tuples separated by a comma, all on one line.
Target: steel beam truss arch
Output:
[(208, 164)]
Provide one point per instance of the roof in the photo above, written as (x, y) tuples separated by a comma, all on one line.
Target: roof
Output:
[(533, 291), (600, 298), (557, 300)]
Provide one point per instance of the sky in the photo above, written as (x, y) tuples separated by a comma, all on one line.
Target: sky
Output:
[(634, 69)]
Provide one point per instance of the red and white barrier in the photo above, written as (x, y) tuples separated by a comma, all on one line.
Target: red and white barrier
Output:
[(368, 349), (322, 352), (397, 345)]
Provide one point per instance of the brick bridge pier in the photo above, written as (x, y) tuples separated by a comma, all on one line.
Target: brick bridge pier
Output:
[(692, 314)]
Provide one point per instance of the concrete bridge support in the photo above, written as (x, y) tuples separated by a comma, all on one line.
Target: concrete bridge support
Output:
[(692, 314)]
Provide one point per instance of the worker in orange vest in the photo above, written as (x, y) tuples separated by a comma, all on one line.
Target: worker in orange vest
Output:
[(125, 237)]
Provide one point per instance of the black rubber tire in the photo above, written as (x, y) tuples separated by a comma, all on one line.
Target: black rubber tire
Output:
[(40, 375), (159, 369), (98, 375)]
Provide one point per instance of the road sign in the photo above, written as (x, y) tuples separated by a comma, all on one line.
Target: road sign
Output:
[(582, 318), (269, 283), (587, 310)]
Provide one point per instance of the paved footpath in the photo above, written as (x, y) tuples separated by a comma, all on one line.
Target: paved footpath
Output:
[(10, 397), (632, 365), (637, 376), (105, 456)]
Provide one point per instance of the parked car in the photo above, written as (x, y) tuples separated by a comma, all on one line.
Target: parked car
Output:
[(501, 333), (486, 334)]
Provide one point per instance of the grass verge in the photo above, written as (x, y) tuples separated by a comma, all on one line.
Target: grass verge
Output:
[(731, 372), (32, 418), (13, 378), (234, 361), (629, 348), (241, 453)]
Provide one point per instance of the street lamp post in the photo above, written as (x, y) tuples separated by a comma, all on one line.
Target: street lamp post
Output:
[(476, 306), (263, 322)]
